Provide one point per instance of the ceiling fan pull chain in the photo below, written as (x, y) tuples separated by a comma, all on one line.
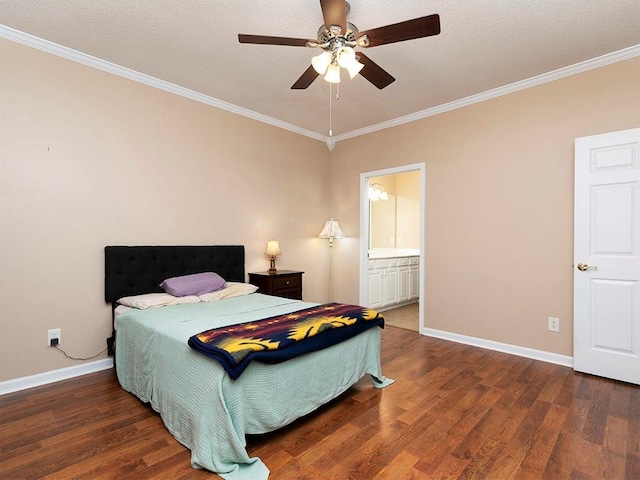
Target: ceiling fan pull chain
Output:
[(330, 111)]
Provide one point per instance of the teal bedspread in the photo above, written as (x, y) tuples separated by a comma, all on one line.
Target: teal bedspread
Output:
[(207, 411)]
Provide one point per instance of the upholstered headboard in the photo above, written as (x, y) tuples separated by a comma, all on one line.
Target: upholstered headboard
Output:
[(140, 269)]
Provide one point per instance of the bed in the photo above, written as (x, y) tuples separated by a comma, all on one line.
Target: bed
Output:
[(201, 406)]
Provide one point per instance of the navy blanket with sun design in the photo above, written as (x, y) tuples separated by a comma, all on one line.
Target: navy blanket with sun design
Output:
[(280, 338)]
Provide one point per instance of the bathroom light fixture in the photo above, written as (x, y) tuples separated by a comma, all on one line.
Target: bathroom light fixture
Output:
[(377, 192)]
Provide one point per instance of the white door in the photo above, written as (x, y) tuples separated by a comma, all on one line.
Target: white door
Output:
[(607, 256)]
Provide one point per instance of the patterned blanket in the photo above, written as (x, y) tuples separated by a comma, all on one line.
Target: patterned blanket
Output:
[(279, 338)]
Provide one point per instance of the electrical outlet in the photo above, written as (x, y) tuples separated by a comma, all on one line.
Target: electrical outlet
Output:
[(554, 324), (54, 333)]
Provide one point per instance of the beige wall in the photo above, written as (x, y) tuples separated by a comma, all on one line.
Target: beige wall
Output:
[(382, 214), (408, 209), (499, 203), (90, 159)]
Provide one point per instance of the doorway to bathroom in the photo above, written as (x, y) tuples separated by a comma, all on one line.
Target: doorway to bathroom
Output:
[(392, 224)]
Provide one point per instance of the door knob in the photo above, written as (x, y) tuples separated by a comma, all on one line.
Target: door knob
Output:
[(583, 267)]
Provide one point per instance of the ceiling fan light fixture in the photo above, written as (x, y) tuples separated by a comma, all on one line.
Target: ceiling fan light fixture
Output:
[(363, 41), (333, 74), (321, 62), (336, 34), (354, 68), (346, 58)]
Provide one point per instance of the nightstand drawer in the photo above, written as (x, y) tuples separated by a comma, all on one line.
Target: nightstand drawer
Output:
[(284, 283), (290, 281)]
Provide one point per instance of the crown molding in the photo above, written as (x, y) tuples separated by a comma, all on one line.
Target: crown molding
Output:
[(619, 56), (94, 62)]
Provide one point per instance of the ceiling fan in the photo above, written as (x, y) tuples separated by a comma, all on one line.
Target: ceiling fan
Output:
[(337, 38)]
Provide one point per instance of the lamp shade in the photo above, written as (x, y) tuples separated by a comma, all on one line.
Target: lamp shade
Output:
[(346, 58), (273, 249), (333, 74), (354, 68), (332, 230), (321, 62)]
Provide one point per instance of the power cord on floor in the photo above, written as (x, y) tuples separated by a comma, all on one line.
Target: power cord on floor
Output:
[(77, 358)]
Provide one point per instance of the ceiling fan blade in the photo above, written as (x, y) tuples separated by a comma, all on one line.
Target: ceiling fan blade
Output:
[(306, 79), (334, 12), (265, 40), (374, 72), (407, 30)]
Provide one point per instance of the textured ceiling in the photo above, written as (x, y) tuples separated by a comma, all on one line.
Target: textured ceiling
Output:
[(484, 44)]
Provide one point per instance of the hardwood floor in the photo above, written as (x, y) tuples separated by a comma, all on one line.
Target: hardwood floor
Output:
[(454, 412)]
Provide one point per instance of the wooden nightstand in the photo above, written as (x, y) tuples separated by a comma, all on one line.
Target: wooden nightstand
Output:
[(285, 283)]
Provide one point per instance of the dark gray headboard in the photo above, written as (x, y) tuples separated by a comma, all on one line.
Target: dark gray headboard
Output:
[(140, 269)]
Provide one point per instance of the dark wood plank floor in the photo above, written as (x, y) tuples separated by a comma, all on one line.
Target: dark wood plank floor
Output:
[(454, 412)]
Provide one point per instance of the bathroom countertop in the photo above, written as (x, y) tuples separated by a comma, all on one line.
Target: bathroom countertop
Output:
[(393, 252)]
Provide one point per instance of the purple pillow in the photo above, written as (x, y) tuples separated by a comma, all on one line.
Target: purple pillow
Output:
[(196, 284)]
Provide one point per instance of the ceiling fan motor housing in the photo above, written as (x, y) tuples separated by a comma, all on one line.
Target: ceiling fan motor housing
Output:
[(325, 36)]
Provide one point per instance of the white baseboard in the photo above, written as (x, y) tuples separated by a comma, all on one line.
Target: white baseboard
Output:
[(44, 378), (501, 347)]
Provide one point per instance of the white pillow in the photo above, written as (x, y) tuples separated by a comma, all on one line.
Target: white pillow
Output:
[(233, 289), (152, 300)]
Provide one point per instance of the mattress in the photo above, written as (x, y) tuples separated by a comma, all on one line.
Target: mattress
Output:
[(119, 310), (199, 403)]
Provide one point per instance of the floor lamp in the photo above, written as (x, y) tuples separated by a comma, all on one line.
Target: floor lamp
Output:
[(331, 230)]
